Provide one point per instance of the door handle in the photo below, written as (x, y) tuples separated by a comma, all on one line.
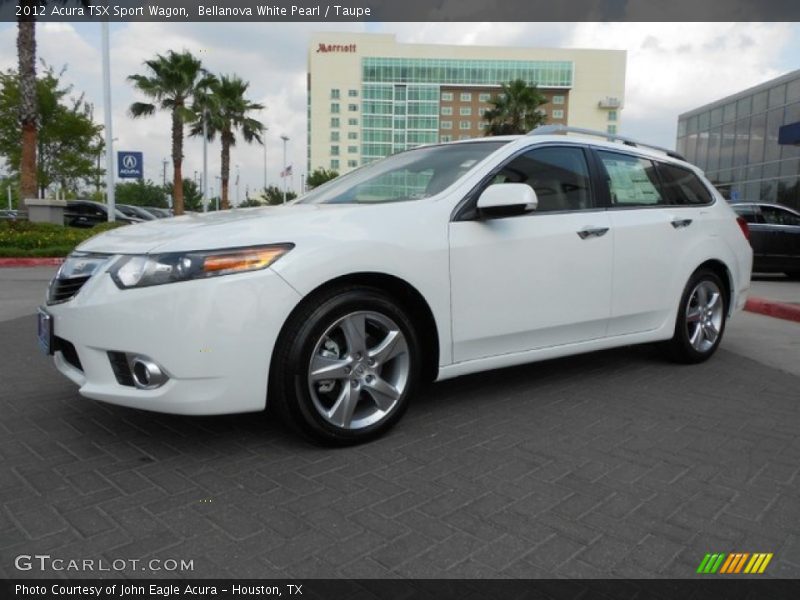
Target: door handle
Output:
[(596, 232), (678, 223)]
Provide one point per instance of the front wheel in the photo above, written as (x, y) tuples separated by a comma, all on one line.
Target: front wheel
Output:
[(701, 319), (346, 366)]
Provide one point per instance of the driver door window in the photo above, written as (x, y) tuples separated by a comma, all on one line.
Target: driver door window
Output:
[(558, 175)]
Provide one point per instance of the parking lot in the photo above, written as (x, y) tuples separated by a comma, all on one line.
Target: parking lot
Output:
[(613, 464)]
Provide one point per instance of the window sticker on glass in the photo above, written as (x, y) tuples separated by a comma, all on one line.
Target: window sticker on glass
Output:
[(632, 181)]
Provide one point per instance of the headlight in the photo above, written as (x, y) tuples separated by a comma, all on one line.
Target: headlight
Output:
[(146, 269)]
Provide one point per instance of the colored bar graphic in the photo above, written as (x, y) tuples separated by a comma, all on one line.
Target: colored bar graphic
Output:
[(734, 563), (765, 563)]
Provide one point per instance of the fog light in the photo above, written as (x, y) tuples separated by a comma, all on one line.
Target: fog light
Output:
[(147, 375)]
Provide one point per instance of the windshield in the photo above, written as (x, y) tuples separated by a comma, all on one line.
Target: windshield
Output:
[(410, 175)]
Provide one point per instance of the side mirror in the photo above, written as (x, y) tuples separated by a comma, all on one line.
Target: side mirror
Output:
[(506, 200)]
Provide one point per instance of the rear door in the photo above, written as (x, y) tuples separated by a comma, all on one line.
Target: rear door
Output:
[(656, 209)]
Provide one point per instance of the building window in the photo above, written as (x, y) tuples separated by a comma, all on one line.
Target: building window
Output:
[(612, 129), (352, 107), (558, 113), (334, 94), (558, 99), (446, 124), (334, 150), (481, 112), (447, 111), (353, 122), (352, 149), (482, 125), (465, 111), (335, 164), (465, 124), (352, 93), (447, 96), (334, 121), (335, 107), (334, 136), (445, 138), (352, 164), (466, 97), (612, 115), (352, 135), (485, 97)]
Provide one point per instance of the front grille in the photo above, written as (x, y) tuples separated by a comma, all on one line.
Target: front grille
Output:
[(68, 352), (121, 368), (62, 290)]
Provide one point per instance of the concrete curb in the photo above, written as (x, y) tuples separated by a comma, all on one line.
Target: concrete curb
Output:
[(779, 310), (30, 262)]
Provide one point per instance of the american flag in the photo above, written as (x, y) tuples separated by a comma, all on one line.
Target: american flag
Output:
[(287, 171)]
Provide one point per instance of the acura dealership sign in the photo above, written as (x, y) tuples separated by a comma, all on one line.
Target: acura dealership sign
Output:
[(130, 165)]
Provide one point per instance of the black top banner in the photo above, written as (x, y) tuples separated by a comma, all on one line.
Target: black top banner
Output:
[(393, 10)]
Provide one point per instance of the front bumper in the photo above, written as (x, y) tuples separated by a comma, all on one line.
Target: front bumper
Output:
[(214, 338)]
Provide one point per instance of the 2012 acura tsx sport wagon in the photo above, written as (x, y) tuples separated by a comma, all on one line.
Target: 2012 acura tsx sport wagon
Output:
[(432, 263)]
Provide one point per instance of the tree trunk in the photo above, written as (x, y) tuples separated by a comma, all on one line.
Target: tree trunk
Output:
[(28, 109), (177, 162), (226, 167)]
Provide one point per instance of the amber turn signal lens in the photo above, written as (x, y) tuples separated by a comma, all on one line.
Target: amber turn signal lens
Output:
[(244, 260)]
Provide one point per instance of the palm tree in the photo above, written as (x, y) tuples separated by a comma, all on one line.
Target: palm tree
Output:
[(227, 109), (515, 110), (172, 82), (29, 105)]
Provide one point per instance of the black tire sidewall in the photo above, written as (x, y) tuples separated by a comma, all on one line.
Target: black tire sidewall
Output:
[(681, 344), (304, 413)]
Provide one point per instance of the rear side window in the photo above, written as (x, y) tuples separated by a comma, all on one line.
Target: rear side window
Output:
[(632, 180), (682, 186)]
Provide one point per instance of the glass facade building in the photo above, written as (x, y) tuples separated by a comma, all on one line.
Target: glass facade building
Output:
[(735, 141)]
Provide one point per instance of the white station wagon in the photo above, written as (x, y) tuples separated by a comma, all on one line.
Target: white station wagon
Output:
[(432, 263)]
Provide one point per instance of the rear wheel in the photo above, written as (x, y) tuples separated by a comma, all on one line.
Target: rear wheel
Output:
[(346, 366), (701, 319)]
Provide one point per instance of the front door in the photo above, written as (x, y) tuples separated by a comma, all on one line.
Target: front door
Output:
[(534, 280)]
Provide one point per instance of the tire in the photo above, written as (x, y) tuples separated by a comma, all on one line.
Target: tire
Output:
[(364, 341), (702, 315), (795, 275)]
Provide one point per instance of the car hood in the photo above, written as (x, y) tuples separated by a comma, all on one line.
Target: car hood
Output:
[(229, 229)]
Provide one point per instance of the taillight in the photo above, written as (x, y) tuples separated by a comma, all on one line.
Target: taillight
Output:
[(744, 227)]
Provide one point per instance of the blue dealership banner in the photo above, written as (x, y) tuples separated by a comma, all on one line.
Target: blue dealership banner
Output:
[(130, 165)]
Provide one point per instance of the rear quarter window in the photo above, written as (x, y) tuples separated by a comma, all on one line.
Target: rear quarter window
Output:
[(682, 186)]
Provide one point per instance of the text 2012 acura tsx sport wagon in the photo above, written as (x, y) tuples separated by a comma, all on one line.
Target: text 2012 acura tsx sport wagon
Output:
[(432, 263)]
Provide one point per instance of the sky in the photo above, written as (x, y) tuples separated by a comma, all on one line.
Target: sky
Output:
[(672, 68)]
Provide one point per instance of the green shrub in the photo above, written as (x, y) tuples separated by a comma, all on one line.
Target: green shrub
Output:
[(25, 239)]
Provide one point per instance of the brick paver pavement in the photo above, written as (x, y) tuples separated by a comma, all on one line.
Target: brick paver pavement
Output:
[(614, 464)]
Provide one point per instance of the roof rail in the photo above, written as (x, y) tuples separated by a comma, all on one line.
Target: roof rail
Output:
[(611, 137)]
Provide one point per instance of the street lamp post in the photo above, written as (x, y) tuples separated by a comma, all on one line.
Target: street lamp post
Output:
[(107, 109), (205, 160), (285, 139), (264, 143)]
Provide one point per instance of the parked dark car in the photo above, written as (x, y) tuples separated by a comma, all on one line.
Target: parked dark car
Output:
[(136, 212), (85, 213), (159, 213), (774, 235)]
